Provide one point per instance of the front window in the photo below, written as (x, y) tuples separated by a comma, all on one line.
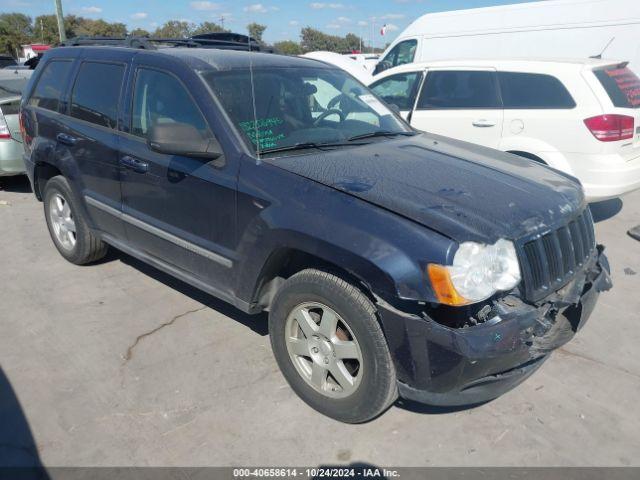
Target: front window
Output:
[(403, 53), (399, 90), (305, 105), (160, 98)]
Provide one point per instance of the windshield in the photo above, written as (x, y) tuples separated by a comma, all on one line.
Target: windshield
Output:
[(295, 106)]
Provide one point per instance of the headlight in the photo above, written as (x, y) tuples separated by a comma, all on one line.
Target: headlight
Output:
[(478, 271)]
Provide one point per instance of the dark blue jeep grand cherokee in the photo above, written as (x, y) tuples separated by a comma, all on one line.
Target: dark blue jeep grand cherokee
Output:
[(390, 261)]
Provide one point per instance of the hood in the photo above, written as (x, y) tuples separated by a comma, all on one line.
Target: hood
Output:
[(461, 190)]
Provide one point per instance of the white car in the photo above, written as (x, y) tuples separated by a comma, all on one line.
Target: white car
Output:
[(579, 116), (355, 69), (367, 60)]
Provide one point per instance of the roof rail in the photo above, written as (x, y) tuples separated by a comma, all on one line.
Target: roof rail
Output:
[(223, 41)]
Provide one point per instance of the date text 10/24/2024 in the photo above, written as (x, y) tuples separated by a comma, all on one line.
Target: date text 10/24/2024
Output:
[(317, 472)]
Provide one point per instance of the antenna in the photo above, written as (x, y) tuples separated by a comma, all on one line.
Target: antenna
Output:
[(253, 99), (599, 56)]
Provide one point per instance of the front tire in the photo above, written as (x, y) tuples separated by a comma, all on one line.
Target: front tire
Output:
[(330, 348), (67, 226)]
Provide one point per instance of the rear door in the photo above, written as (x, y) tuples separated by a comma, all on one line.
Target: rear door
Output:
[(178, 209), (461, 103), (539, 110), (89, 136)]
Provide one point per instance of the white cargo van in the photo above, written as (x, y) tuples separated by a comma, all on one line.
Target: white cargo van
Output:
[(553, 28)]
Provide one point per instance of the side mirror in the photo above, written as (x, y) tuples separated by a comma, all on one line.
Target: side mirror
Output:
[(381, 66), (182, 139)]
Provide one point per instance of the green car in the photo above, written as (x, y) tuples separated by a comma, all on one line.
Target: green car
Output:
[(12, 82)]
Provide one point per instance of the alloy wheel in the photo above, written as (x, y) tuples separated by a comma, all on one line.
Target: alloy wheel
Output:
[(64, 227), (324, 350)]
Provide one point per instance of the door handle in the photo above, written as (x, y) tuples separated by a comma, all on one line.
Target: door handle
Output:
[(134, 164), (484, 123), (66, 139)]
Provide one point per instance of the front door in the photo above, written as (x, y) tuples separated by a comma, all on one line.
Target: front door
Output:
[(177, 209), (462, 104)]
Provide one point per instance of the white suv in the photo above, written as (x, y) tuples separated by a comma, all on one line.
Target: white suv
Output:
[(579, 116)]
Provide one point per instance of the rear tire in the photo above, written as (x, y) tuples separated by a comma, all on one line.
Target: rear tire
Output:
[(67, 226), (330, 348)]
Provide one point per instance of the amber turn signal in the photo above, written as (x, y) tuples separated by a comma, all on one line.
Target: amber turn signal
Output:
[(443, 286)]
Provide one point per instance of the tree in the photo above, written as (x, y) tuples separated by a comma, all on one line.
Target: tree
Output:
[(208, 27), (45, 29), (174, 29), (100, 28), (139, 32), (256, 30), (352, 42), (15, 30), (288, 47), (313, 40)]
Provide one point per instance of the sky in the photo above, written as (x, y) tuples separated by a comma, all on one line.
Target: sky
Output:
[(284, 18)]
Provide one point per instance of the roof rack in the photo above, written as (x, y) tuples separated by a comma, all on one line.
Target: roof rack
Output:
[(224, 41)]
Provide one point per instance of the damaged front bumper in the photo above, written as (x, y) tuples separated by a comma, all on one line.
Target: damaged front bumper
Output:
[(439, 365)]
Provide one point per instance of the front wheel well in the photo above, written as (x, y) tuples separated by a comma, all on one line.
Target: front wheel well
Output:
[(286, 262), (528, 155), (42, 174)]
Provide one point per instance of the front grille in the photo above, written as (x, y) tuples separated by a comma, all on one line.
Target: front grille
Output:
[(550, 261)]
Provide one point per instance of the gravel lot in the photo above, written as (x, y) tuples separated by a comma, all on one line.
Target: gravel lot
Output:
[(118, 364)]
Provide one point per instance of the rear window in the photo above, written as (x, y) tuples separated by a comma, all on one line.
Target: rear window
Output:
[(12, 87), (10, 108), (533, 91), (50, 85), (96, 93), (622, 86)]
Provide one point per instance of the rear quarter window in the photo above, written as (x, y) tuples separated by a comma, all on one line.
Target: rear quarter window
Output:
[(10, 108), (50, 85), (533, 91), (622, 86)]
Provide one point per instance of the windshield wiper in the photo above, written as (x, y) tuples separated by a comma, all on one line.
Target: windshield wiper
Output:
[(305, 146), (380, 133)]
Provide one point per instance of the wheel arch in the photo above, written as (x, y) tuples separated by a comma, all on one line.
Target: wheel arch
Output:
[(43, 172), (285, 262), (537, 150)]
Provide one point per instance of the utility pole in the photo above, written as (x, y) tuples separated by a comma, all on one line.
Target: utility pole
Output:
[(60, 18), (222, 21)]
